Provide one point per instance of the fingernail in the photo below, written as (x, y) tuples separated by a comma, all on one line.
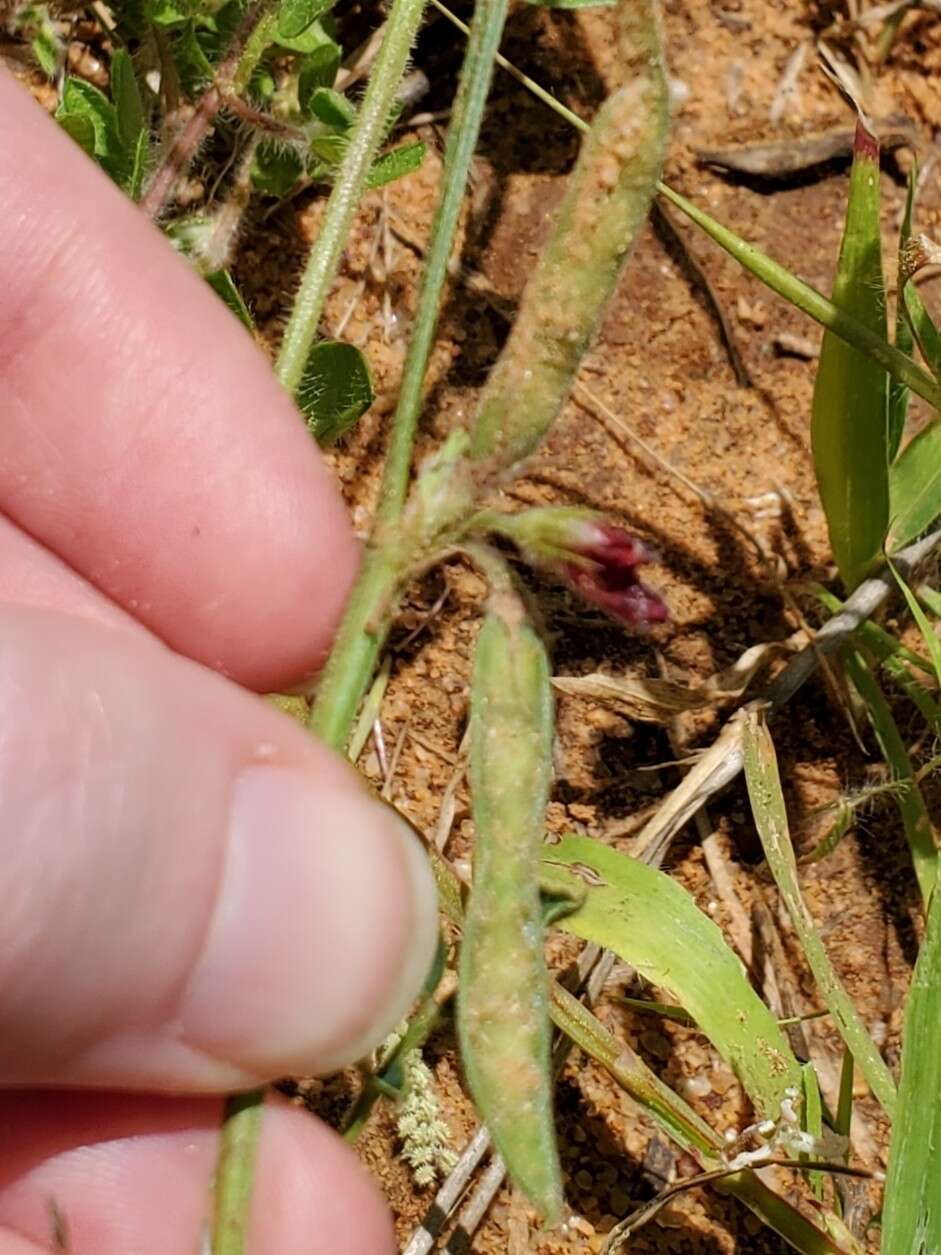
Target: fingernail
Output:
[(324, 927)]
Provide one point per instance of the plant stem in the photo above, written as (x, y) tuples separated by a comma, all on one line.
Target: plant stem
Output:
[(367, 134), (355, 650), (186, 144), (235, 1172), (476, 73)]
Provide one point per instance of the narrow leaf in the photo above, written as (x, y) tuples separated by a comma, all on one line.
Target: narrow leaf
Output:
[(914, 255), (653, 924), (222, 283), (335, 389), (911, 1218), (767, 803), (915, 487), (904, 340), (849, 427), (911, 804), (125, 93), (929, 636), (396, 164)]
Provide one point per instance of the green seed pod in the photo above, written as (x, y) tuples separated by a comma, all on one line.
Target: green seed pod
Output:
[(606, 203), (503, 1000)]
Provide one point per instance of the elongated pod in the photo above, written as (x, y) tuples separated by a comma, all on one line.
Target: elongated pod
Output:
[(503, 1000), (605, 204)]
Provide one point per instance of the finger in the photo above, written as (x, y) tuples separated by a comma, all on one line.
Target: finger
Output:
[(133, 1175), (32, 576), (197, 894), (144, 437)]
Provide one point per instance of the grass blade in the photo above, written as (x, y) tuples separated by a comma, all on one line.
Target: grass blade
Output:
[(915, 488), (683, 1125), (911, 804), (911, 1219), (653, 924), (810, 301), (767, 803), (503, 999), (904, 340), (849, 427), (893, 657), (927, 632)]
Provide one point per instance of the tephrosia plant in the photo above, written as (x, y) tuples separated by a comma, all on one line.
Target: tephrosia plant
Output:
[(269, 82)]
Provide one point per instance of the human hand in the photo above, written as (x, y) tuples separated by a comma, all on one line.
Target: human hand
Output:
[(196, 895)]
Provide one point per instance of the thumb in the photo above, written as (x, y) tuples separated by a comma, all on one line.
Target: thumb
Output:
[(197, 895)]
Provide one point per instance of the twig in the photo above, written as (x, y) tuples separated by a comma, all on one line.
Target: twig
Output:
[(644, 1214), (720, 764)]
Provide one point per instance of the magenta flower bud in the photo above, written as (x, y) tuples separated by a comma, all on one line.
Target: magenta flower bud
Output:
[(605, 573), (598, 560)]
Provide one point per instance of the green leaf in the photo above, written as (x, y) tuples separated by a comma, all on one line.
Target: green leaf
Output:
[(276, 168), (394, 165), (318, 69), (335, 389), (295, 16), (167, 13), (80, 127), (915, 487), (82, 100), (653, 924), (308, 41), (192, 60), (911, 1220), (134, 182), (904, 340), (923, 328), (767, 803), (908, 796), (928, 634), (849, 427), (332, 108), (125, 94), (330, 149), (221, 281)]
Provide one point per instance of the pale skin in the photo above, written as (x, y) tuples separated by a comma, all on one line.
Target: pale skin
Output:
[(197, 897)]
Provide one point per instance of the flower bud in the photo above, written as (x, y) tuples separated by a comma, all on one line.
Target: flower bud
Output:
[(595, 558)]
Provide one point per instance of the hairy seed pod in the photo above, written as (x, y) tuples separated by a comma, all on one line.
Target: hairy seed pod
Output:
[(503, 1001), (605, 204)]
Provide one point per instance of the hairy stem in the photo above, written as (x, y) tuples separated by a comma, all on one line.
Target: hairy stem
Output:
[(608, 198), (367, 134), (476, 73), (185, 146)]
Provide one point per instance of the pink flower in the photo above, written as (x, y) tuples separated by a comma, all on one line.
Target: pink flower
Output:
[(595, 558), (604, 572)]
